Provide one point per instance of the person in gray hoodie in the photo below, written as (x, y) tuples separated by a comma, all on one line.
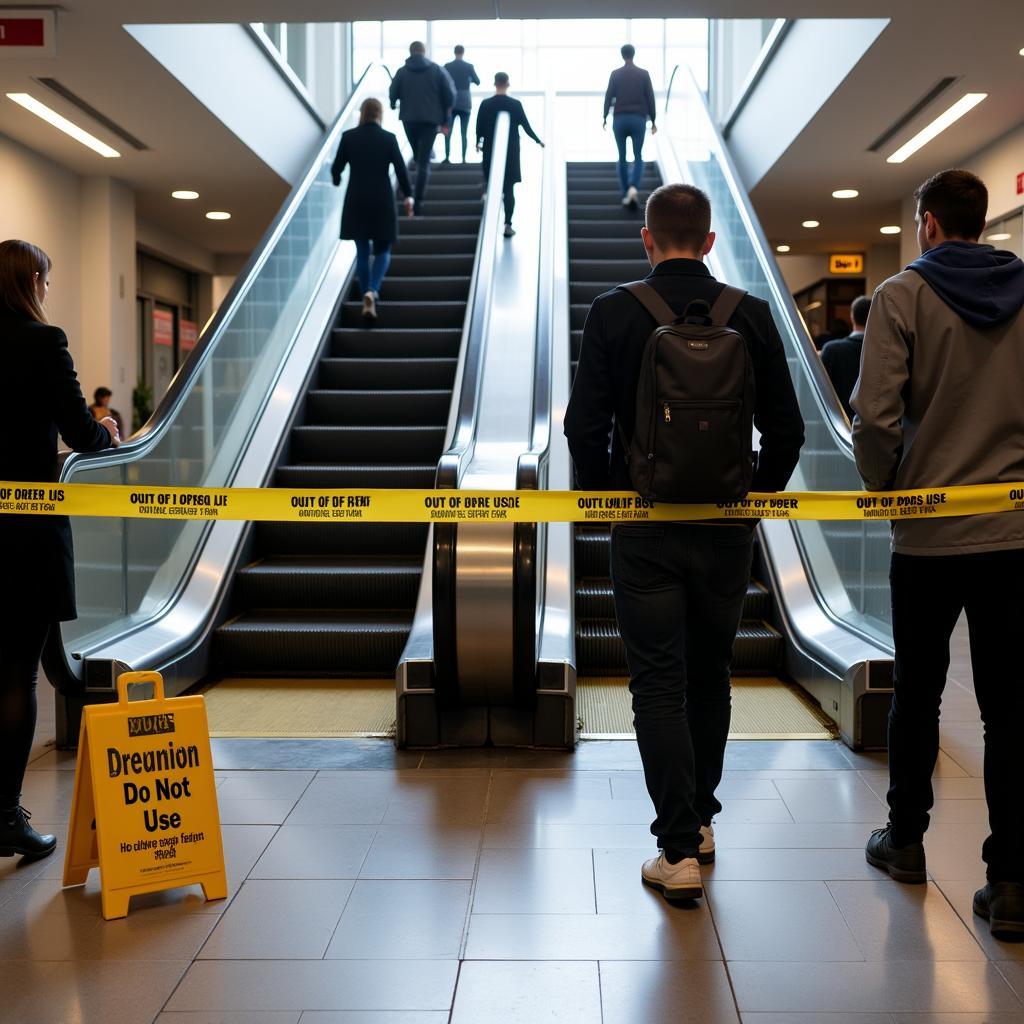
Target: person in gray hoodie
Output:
[(938, 404), (426, 94)]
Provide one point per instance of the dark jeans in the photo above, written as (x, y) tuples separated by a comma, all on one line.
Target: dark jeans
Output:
[(21, 645), (633, 127), (509, 197), (928, 595), (421, 135), (679, 591), (370, 279), (463, 117)]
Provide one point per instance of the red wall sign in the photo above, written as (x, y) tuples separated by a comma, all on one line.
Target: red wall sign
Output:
[(188, 333), (163, 327), (1020, 184), (24, 32)]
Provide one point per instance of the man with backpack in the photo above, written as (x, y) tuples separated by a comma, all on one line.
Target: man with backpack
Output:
[(676, 404)]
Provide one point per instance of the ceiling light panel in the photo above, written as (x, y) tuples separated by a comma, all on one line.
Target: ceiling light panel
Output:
[(61, 123), (845, 193), (782, 248), (948, 117), (218, 215), (811, 224), (890, 229), (184, 193)]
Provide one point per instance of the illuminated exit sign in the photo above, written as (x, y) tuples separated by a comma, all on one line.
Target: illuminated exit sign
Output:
[(27, 33), (845, 263)]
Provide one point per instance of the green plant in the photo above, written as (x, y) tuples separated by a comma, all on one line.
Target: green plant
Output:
[(142, 403)]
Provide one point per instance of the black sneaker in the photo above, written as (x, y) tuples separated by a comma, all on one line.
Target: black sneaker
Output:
[(1002, 905), (904, 863), (18, 836)]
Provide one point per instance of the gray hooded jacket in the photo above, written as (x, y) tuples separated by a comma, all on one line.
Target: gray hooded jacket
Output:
[(424, 91)]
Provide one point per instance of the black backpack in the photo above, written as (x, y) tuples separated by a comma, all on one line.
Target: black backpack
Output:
[(694, 403)]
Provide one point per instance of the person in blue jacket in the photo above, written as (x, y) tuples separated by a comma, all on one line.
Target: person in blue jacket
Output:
[(463, 75), (369, 216)]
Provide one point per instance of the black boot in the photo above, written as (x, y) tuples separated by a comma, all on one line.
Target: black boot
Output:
[(1002, 905), (904, 863), (18, 836)]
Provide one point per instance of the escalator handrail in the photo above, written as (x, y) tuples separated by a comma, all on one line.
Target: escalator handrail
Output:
[(832, 411), (149, 435)]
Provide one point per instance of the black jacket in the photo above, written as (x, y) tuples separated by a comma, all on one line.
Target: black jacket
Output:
[(486, 119), (424, 90), (604, 392), (44, 398), (463, 75), (842, 361), (370, 213), (630, 91)]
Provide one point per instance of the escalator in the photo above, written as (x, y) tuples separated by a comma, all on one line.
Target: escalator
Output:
[(604, 251), (322, 599)]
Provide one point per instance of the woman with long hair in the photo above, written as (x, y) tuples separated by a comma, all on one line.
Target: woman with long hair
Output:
[(370, 216), (44, 399)]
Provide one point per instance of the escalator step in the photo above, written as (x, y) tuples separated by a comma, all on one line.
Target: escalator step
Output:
[(367, 475), (371, 444), (319, 642), (450, 204), (359, 373), (578, 315), (619, 270), (602, 248), (376, 406), (586, 291), (594, 600), (608, 229), (602, 213), (436, 225), (392, 539), (323, 582), (416, 245), (419, 289), (396, 342), (406, 314), (433, 264)]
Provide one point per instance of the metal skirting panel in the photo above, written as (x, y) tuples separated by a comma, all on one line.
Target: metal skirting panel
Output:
[(762, 709)]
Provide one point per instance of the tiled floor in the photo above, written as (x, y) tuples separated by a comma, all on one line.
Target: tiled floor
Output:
[(375, 887)]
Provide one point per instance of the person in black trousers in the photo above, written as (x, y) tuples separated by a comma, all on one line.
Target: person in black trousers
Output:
[(486, 119), (463, 75), (679, 587), (841, 356), (36, 551), (425, 95), (369, 215)]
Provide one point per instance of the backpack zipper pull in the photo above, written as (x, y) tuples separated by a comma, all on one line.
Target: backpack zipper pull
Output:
[(668, 414)]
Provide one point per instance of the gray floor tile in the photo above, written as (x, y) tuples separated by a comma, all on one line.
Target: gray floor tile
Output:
[(525, 787), (960, 893), (257, 785), (848, 799), (904, 922), (960, 812), (904, 986), (686, 933), (270, 811), (521, 993), (401, 852), (315, 851), (566, 836), (818, 836), (447, 801), (51, 992), (788, 865), (316, 985), (285, 920), (688, 993), (748, 916), (534, 882), (801, 754), (634, 788), (816, 1018), (295, 755), (959, 1018), (338, 801), (618, 886), (374, 1017), (945, 788), (398, 919), (954, 851), (245, 1017)]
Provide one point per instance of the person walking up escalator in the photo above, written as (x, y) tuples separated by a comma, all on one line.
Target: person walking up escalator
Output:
[(36, 551), (486, 120), (369, 216), (424, 95), (631, 94), (463, 75)]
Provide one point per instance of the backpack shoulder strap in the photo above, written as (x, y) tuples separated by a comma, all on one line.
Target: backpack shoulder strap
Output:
[(725, 305), (651, 301)]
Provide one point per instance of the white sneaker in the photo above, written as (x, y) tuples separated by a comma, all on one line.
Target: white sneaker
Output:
[(370, 306), (706, 853), (631, 199), (674, 881)]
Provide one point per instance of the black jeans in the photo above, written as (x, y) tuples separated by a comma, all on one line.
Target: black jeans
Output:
[(21, 645), (463, 117), (928, 595), (421, 136), (679, 591), (509, 198)]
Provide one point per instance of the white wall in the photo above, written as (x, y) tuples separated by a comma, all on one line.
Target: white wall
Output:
[(801, 271)]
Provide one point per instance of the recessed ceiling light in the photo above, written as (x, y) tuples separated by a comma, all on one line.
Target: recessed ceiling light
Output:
[(782, 248), (62, 124), (999, 236), (845, 193), (966, 102), (812, 306), (1021, 51), (812, 224), (184, 193), (218, 215), (891, 229)]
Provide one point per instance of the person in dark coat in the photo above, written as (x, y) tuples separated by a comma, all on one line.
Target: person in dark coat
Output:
[(463, 75), (425, 95), (369, 216), (486, 120), (36, 551), (841, 356)]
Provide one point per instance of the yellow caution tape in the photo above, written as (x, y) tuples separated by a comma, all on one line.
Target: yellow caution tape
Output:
[(452, 506)]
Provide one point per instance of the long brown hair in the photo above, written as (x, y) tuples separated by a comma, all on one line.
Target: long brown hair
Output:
[(19, 264), (371, 110)]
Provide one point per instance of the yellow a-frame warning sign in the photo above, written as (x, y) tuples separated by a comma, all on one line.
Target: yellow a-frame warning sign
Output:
[(145, 803)]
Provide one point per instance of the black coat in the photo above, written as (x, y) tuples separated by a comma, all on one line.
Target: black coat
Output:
[(43, 398), (370, 212), (842, 361), (486, 119), (604, 392)]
